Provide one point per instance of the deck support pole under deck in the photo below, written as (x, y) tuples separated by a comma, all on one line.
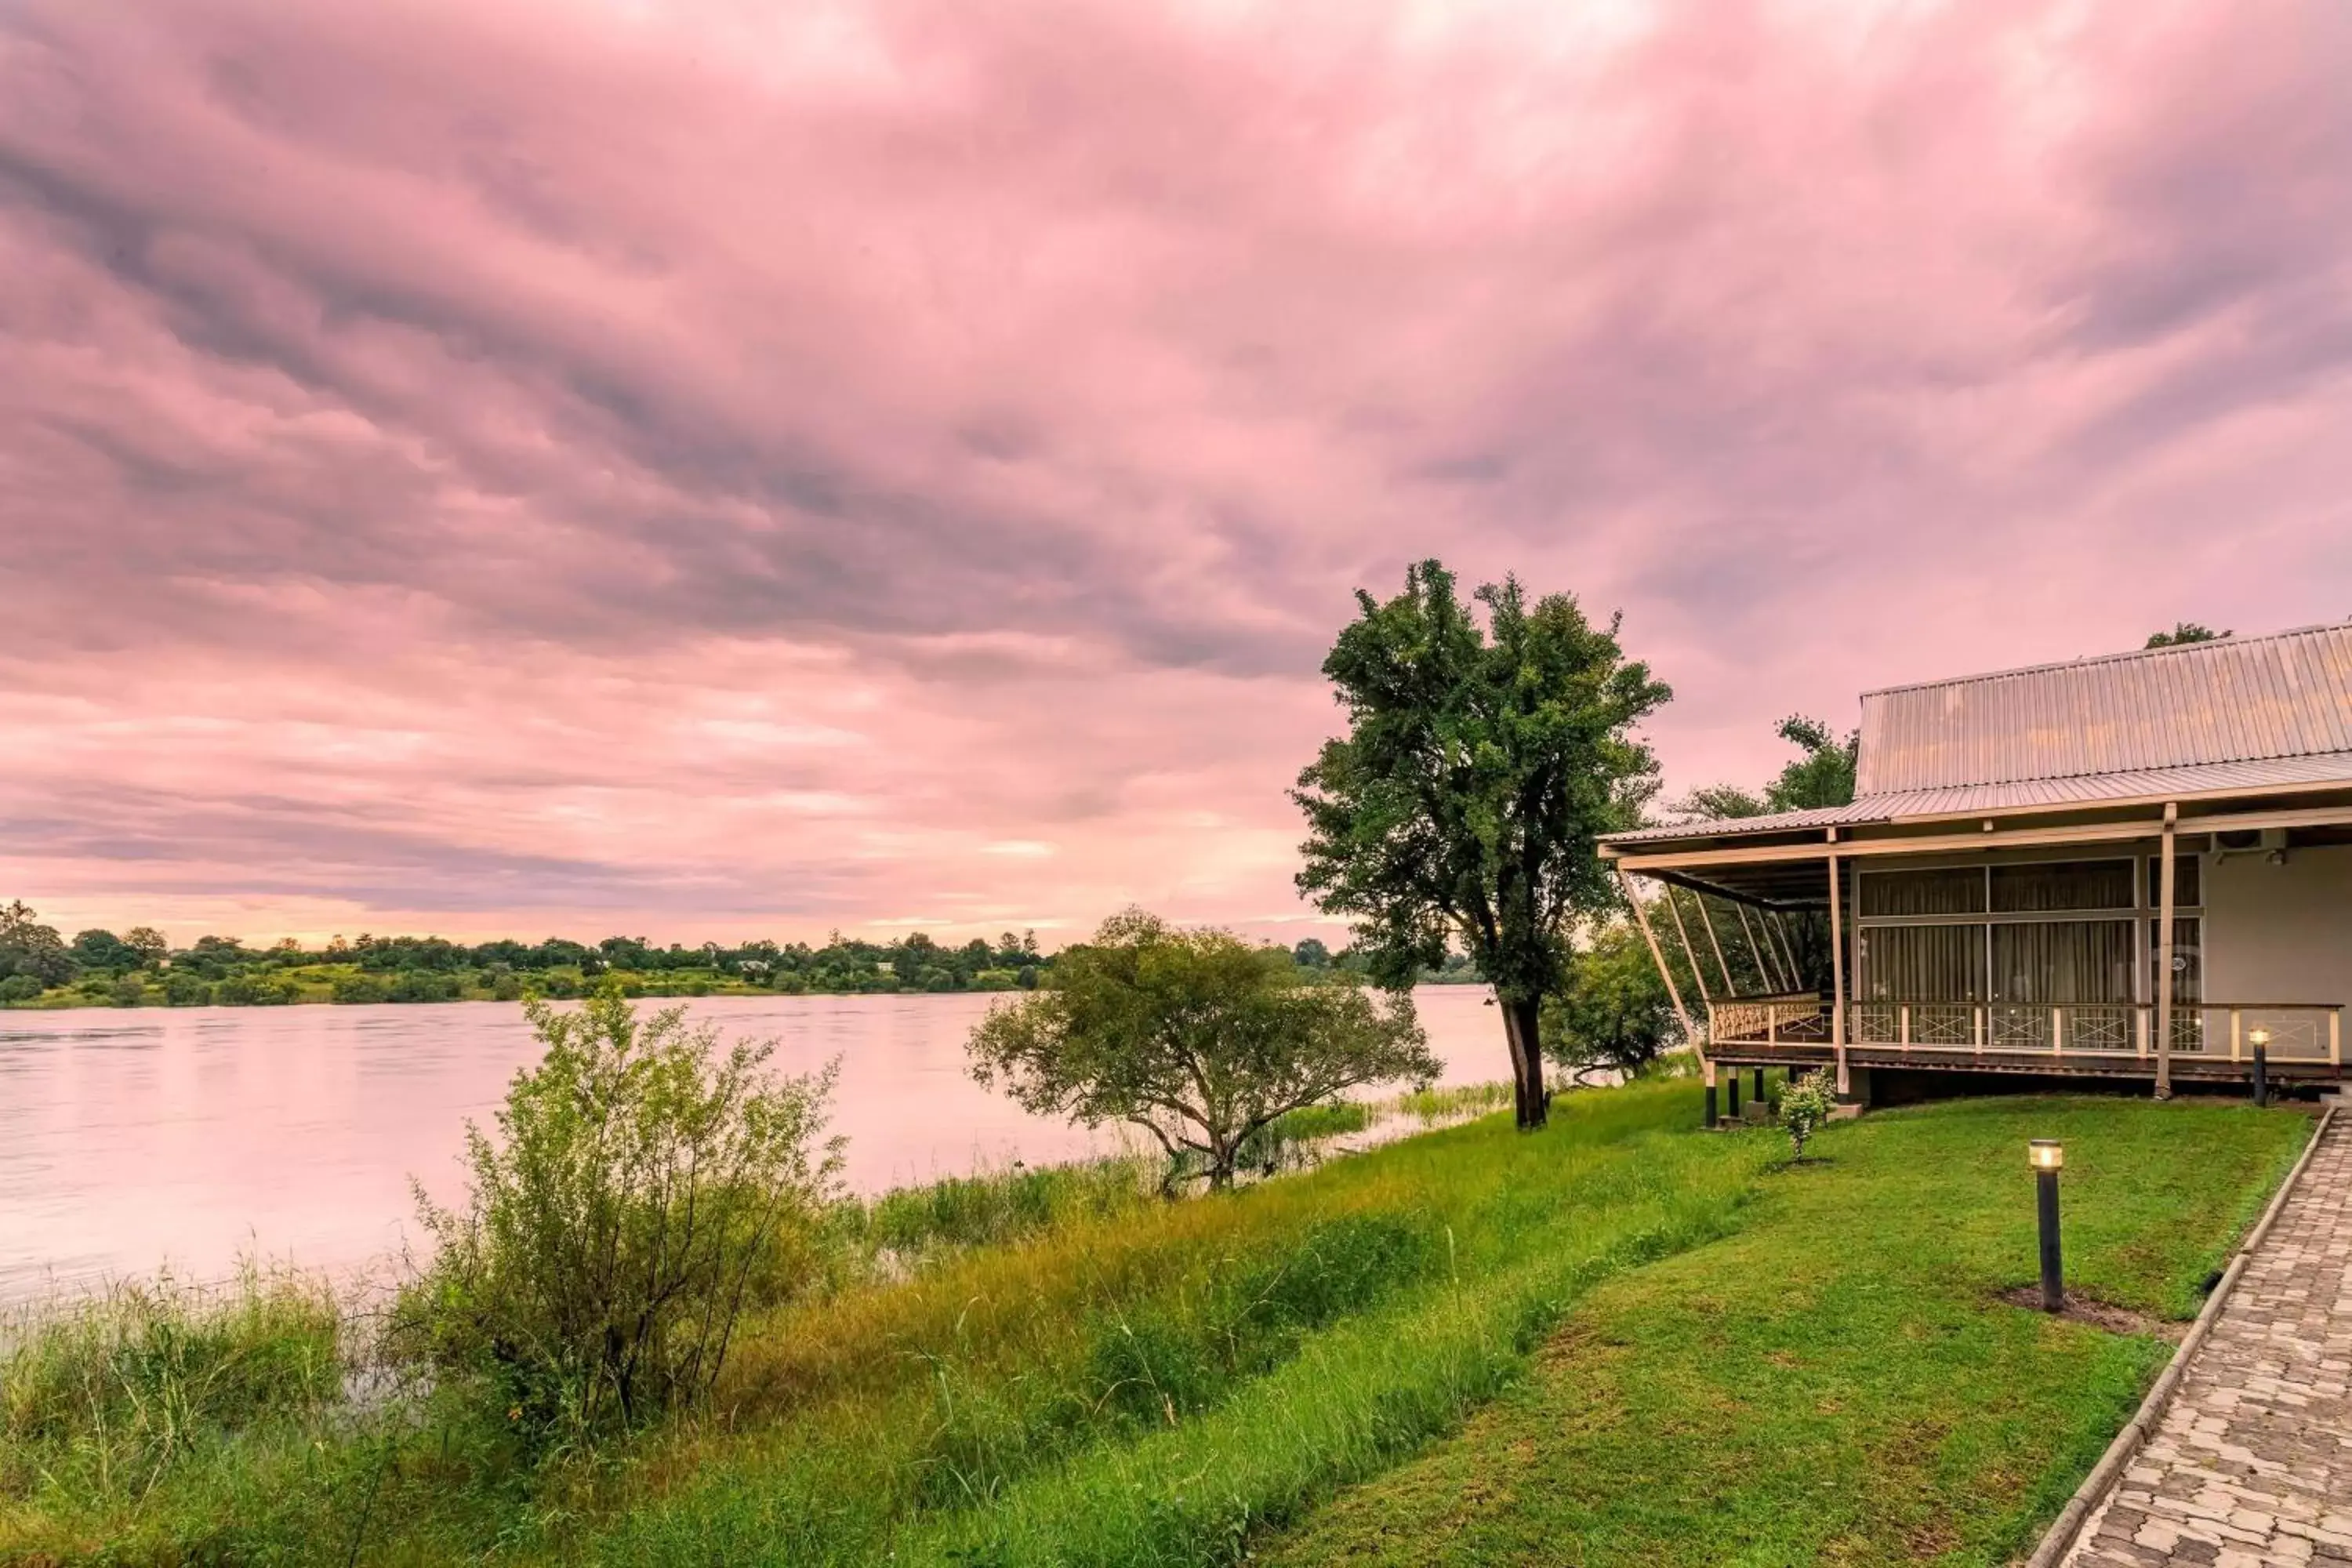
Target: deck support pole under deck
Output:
[(1837, 974), (2164, 957)]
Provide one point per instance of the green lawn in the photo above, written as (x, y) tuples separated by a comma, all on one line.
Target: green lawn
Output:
[(1619, 1339), (1837, 1382)]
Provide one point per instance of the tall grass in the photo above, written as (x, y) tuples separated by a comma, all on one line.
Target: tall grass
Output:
[(124, 1412)]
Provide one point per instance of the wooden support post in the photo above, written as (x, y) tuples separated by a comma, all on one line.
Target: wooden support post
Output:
[(1903, 1028), (2164, 882), (1837, 973), (2335, 1038), (2237, 1034), (1729, 988), (2057, 1028)]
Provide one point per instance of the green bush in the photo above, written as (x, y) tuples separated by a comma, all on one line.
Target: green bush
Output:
[(358, 990), (1804, 1106), (254, 991), (182, 989), (127, 992), (645, 1189), (20, 988), (423, 986)]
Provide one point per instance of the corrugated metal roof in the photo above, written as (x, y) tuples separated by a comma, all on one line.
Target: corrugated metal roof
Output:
[(2238, 700), (2082, 789)]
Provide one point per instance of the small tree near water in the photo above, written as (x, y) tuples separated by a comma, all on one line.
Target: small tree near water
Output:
[(1805, 1105), (643, 1188), (1195, 1036)]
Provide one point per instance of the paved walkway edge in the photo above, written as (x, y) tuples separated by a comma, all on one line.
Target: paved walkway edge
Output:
[(2062, 1531)]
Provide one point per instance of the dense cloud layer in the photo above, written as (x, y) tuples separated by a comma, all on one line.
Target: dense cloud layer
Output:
[(500, 465)]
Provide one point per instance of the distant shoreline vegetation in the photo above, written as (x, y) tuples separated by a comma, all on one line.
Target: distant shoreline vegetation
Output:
[(40, 969)]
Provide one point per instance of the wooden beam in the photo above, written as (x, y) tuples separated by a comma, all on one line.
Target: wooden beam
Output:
[(1674, 992), (1789, 951), (1765, 964), (2164, 882), (1957, 843), (1729, 988), (1837, 976), (1699, 975)]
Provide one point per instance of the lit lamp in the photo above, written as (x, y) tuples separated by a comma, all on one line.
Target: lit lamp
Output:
[(2260, 1039), (2048, 1157)]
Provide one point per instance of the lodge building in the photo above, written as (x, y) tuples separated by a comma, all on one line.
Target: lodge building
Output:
[(2134, 867)]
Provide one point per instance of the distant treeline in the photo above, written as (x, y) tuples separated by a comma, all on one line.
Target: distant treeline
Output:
[(142, 968)]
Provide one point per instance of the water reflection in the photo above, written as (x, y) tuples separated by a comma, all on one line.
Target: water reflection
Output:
[(127, 1139)]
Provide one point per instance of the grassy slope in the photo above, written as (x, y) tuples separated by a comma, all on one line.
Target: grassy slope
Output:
[(1835, 1383), (1754, 1361)]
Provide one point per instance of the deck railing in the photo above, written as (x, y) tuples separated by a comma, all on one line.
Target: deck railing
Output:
[(2288, 1031)]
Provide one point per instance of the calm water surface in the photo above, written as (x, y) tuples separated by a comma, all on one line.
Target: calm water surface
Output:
[(134, 1138)]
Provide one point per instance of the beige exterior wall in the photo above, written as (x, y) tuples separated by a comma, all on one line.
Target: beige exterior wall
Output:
[(2279, 933)]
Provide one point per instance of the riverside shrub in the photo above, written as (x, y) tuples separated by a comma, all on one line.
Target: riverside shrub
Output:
[(645, 1186)]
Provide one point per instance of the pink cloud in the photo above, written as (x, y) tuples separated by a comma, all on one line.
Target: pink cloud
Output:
[(489, 467)]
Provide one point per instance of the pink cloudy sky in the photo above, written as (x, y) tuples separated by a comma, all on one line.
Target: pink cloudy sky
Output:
[(497, 465)]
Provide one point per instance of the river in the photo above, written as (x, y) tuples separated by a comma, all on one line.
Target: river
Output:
[(133, 1139)]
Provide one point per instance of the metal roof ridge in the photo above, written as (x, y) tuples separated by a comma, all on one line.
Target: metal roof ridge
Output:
[(2117, 658)]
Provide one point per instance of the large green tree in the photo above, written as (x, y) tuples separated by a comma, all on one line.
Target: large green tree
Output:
[(1482, 764), (1196, 1036)]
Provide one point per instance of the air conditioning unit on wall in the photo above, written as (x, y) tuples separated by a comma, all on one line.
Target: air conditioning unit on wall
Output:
[(2268, 842)]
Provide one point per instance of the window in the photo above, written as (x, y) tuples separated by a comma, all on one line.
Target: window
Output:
[(2186, 888), (1924, 963), (1954, 891), (2063, 961), (2037, 888)]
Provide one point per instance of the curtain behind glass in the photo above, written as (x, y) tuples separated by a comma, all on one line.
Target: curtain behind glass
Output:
[(2062, 884), (1925, 964), (2063, 961), (1953, 890)]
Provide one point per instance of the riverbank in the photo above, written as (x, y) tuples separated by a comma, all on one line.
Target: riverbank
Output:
[(1663, 1343)]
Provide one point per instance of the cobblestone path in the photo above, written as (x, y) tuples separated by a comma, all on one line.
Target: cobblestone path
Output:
[(2252, 1464)]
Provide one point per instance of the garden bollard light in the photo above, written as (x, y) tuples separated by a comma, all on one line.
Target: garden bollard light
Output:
[(2260, 1039), (2048, 1157)]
